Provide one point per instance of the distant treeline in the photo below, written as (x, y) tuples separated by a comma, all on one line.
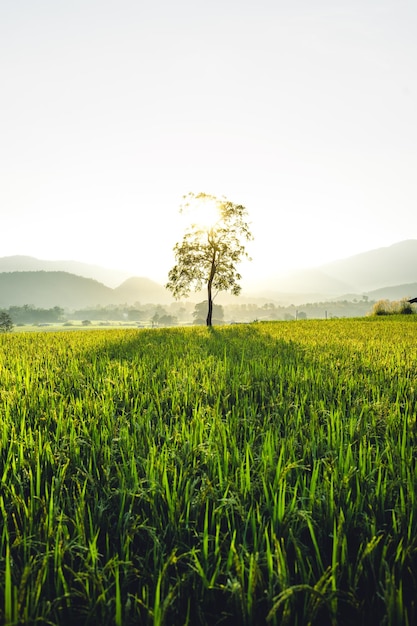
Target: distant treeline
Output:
[(190, 312), (310, 310), (28, 314)]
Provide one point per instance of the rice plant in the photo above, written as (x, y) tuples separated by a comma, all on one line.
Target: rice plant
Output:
[(251, 474)]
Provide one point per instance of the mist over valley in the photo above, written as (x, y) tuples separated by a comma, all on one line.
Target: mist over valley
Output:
[(384, 273)]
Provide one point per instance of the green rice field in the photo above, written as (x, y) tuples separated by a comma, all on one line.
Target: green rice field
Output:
[(250, 474)]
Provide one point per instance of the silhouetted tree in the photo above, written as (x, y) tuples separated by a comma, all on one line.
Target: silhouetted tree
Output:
[(6, 323), (200, 311), (168, 320), (209, 253)]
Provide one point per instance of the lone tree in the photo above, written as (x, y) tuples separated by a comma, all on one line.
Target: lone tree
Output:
[(6, 323), (211, 248), (200, 312)]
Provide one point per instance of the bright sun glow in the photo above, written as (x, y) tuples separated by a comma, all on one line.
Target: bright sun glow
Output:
[(204, 212)]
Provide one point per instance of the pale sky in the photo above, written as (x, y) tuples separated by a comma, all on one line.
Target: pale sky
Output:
[(305, 111)]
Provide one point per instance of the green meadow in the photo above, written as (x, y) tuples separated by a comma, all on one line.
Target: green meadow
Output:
[(250, 474)]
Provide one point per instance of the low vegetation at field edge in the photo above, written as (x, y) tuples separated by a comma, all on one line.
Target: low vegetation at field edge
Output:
[(252, 474)]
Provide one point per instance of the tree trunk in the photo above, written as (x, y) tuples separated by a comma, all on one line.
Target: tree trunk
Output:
[(209, 288), (210, 304)]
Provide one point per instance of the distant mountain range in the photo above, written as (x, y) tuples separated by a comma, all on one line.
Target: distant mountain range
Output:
[(46, 289), (389, 272), (383, 273), (378, 268), (109, 277)]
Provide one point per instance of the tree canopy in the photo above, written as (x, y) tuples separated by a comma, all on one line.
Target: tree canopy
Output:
[(200, 312), (211, 249), (6, 322)]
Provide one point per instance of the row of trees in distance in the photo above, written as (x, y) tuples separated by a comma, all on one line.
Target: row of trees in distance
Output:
[(178, 313), (186, 312)]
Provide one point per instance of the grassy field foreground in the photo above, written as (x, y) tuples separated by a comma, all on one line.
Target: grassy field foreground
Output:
[(254, 474)]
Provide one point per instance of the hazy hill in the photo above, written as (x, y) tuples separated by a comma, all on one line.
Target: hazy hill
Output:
[(393, 265), (389, 272), (393, 270), (48, 289), (143, 290), (310, 281), (396, 292), (109, 277)]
